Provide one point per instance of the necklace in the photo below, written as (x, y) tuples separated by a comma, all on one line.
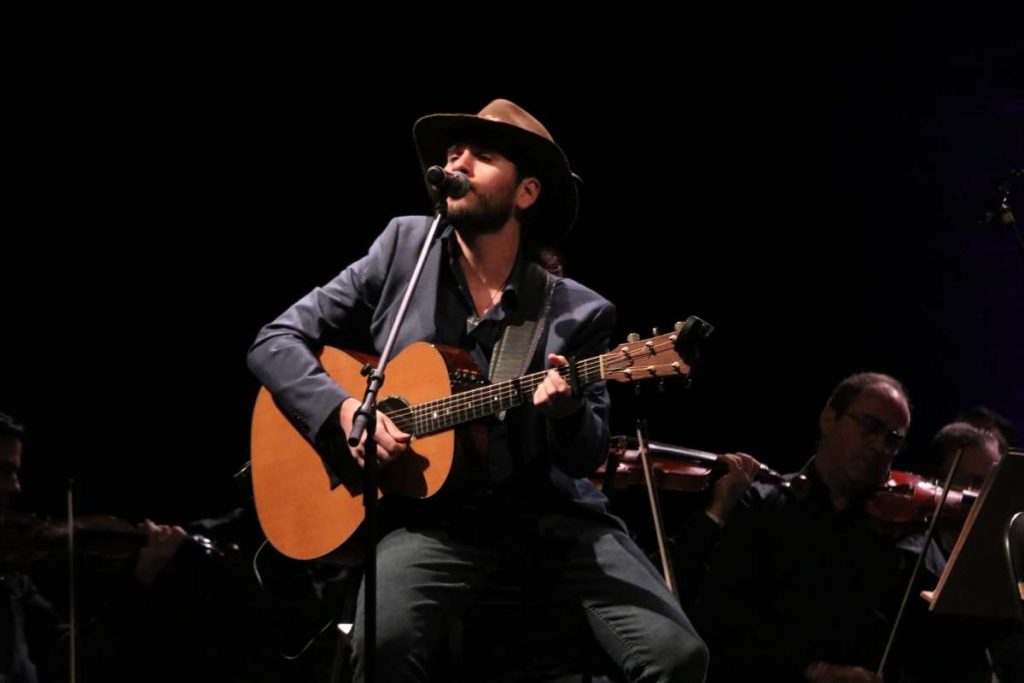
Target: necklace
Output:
[(481, 293), (492, 297)]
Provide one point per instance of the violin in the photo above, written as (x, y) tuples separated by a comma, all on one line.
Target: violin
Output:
[(675, 468), (104, 542), (661, 466), (908, 500)]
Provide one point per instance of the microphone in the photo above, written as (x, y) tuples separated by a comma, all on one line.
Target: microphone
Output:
[(997, 208), (448, 184)]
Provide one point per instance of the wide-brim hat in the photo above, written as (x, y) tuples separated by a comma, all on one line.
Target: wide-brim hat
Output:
[(524, 140)]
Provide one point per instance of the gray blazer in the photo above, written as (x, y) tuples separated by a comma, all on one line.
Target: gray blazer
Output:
[(356, 310)]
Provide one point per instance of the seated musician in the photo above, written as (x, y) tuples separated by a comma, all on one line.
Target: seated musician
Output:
[(988, 420), (33, 635), (525, 501), (803, 585), (972, 648)]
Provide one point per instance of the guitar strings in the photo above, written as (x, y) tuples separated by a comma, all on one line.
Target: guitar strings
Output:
[(508, 389), (435, 415)]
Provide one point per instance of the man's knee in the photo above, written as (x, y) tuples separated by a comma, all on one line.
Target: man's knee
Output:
[(399, 654), (687, 660)]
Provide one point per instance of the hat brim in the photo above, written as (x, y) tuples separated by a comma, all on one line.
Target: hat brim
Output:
[(557, 206)]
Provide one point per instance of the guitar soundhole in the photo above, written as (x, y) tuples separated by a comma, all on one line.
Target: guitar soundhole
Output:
[(392, 403), (404, 476)]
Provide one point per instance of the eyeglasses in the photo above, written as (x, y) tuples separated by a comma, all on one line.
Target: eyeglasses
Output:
[(871, 426)]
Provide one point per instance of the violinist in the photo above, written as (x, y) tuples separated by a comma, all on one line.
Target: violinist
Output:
[(21, 605), (690, 548), (982, 450), (988, 420), (802, 584), (33, 634), (972, 648)]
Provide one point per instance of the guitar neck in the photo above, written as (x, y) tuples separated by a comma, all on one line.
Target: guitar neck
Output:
[(466, 406)]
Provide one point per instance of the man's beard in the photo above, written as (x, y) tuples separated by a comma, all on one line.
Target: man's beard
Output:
[(488, 216)]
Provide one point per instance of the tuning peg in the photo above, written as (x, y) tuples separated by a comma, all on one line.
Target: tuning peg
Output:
[(632, 337), (661, 385), (654, 331), (679, 326)]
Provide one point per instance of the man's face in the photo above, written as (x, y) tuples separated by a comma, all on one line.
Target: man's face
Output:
[(977, 461), (858, 446), (495, 192), (10, 463)]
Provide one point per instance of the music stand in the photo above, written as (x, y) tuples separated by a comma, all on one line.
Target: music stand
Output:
[(975, 579)]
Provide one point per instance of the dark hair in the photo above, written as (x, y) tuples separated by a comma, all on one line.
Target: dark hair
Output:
[(550, 259), (11, 427), (988, 420), (951, 437), (533, 235), (847, 391)]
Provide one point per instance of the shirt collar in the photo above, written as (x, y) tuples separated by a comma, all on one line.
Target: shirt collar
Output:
[(510, 294)]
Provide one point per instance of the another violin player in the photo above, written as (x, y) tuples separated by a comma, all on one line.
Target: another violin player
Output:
[(802, 585), (33, 635), (948, 647)]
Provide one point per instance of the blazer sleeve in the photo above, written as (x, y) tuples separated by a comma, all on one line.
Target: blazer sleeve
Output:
[(579, 443), (284, 355)]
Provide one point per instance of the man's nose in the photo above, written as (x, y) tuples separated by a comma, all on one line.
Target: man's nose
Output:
[(460, 162), (883, 448)]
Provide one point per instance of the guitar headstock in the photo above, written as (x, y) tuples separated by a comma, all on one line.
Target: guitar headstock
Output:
[(638, 359)]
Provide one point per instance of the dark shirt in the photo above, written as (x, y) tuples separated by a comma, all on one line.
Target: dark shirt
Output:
[(794, 581), (25, 617), (497, 481), (459, 326)]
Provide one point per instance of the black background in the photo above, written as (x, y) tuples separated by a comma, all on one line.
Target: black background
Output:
[(811, 186)]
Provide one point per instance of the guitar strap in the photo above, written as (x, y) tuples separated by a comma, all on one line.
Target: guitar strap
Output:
[(512, 354)]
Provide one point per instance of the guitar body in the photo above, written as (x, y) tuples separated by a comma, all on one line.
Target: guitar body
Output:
[(299, 512)]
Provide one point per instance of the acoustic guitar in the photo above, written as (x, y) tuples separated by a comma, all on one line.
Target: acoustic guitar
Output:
[(430, 391)]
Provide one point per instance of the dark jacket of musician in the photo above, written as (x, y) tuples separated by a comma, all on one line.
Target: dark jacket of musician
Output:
[(543, 460)]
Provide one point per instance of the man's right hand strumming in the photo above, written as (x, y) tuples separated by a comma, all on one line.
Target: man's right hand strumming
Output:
[(391, 441)]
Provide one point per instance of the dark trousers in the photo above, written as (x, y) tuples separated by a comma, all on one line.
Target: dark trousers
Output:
[(428, 577)]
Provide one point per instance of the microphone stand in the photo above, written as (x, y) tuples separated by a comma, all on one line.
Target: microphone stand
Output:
[(1002, 213), (365, 421)]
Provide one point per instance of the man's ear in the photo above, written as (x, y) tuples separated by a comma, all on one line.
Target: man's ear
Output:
[(527, 193), (827, 420)]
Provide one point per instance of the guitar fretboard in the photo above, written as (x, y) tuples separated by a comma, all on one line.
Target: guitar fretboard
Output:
[(465, 406)]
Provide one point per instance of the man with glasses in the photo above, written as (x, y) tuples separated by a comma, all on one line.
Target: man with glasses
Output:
[(802, 584)]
